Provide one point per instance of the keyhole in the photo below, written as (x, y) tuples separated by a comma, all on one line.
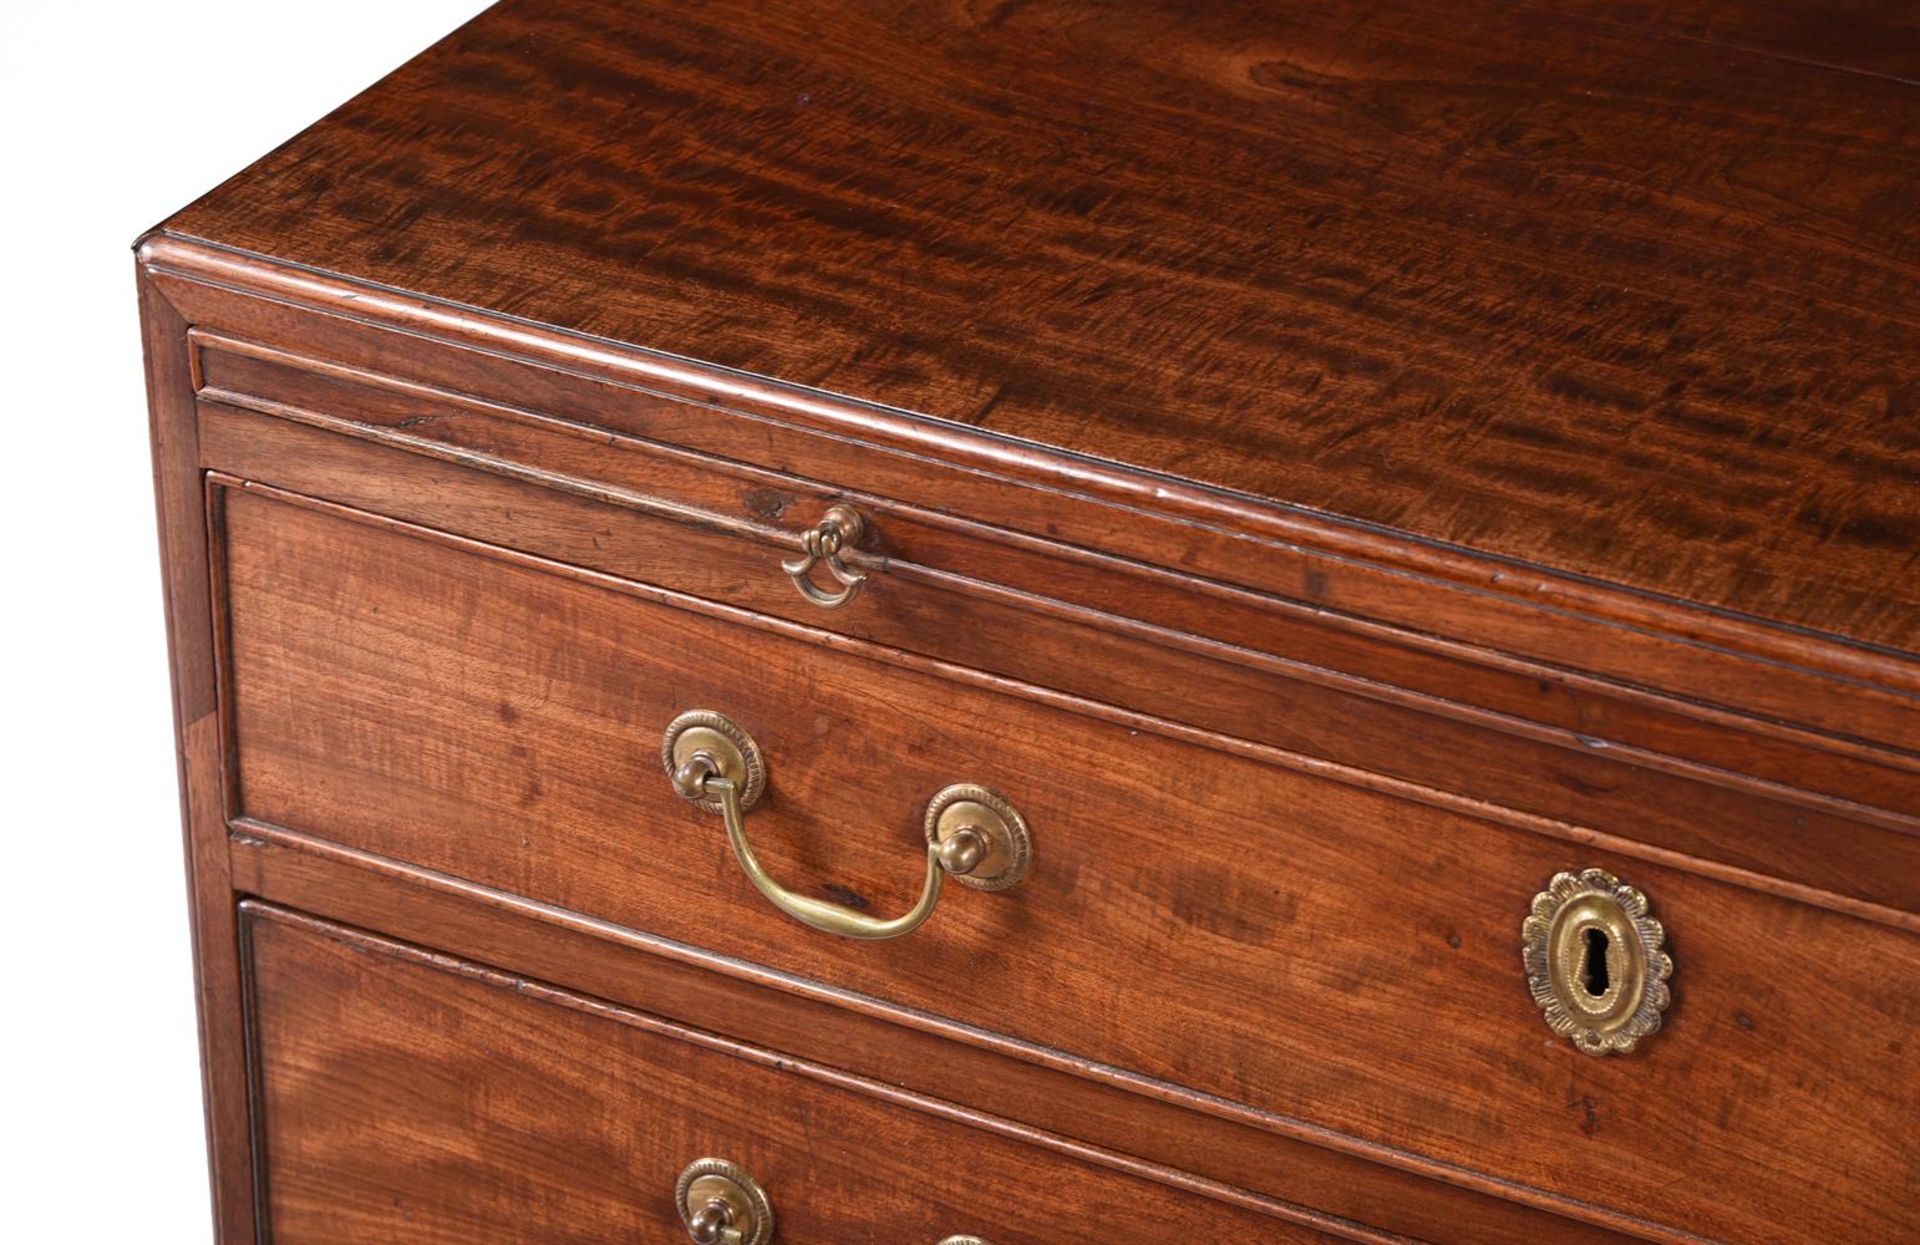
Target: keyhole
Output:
[(1594, 971)]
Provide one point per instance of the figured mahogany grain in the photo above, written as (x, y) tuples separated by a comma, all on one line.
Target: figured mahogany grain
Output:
[(566, 454), (1716, 663), (1252, 682), (1630, 305), (1281, 1159), (415, 1099), (1303, 947), (1879, 37), (1443, 444)]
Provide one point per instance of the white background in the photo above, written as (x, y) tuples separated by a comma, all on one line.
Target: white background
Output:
[(112, 116)]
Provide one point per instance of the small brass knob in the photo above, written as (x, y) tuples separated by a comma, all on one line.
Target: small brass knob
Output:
[(962, 851), (690, 776), (720, 1204), (978, 837), (710, 1222)]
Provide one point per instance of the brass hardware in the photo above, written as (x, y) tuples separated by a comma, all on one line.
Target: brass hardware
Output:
[(981, 840), (1595, 961), (966, 1240), (721, 1204), (838, 530), (972, 832), (699, 746)]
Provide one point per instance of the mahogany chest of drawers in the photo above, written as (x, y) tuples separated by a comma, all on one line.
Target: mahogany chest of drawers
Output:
[(912, 622)]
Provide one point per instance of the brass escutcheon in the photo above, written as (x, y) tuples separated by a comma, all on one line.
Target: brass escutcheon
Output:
[(1596, 962), (825, 542), (972, 832), (720, 1204)]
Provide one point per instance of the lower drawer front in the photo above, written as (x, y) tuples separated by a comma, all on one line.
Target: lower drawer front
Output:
[(406, 1096)]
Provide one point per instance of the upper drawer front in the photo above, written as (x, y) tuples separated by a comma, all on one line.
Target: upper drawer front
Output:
[(1332, 657), (1215, 917), (406, 1097)]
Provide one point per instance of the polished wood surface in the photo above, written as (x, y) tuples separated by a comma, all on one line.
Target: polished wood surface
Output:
[(1556, 755), (1333, 466), (1710, 663), (1589, 291), (180, 495), (1877, 37), (417, 1099), (1309, 949), (1290, 1164)]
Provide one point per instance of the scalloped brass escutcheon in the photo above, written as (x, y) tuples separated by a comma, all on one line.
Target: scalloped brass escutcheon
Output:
[(1596, 961)]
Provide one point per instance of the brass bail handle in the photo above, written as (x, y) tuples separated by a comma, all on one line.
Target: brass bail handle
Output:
[(972, 833), (838, 530)]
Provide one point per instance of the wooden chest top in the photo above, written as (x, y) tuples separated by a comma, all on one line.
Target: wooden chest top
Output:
[(1619, 296)]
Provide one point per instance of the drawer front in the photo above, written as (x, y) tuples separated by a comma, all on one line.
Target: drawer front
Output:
[(409, 1097), (1536, 738), (1307, 948)]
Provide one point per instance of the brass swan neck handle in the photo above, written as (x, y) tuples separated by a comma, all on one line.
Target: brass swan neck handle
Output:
[(972, 833)]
